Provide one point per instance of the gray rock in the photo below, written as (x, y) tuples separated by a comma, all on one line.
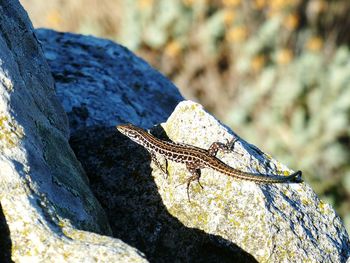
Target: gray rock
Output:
[(230, 220), (46, 205), (273, 222), (100, 83)]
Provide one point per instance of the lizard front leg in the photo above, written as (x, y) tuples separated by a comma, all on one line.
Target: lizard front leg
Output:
[(195, 175)]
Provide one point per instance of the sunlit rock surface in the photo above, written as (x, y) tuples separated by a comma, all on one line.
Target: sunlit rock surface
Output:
[(272, 222), (47, 210)]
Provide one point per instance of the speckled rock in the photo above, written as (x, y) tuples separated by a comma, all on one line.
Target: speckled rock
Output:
[(46, 205), (274, 223)]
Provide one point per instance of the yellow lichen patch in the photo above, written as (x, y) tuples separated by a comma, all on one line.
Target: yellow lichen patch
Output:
[(193, 106), (234, 221), (322, 207), (286, 173), (10, 132), (77, 234), (305, 202), (176, 210), (62, 223), (268, 156), (255, 166), (202, 219), (67, 255)]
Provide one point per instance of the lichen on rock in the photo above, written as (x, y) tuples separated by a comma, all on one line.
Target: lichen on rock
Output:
[(272, 222), (47, 210), (10, 132)]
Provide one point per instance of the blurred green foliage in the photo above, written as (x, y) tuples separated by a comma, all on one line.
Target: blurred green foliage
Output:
[(276, 71)]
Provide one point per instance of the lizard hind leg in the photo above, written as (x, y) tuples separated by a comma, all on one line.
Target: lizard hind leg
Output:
[(225, 147), (195, 176)]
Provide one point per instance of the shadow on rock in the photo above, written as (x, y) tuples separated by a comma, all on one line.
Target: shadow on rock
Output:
[(120, 177), (5, 239)]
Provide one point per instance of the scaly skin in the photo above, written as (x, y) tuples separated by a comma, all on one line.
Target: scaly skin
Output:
[(196, 158)]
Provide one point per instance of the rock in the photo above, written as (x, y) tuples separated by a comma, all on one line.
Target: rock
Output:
[(46, 205), (229, 220), (100, 83), (272, 222)]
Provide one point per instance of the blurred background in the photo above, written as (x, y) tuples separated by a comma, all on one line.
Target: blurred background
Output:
[(276, 71)]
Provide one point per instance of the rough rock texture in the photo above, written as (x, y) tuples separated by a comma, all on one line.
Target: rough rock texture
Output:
[(45, 199), (230, 220), (274, 223), (100, 83)]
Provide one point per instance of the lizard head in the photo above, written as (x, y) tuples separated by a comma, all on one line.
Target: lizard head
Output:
[(133, 132)]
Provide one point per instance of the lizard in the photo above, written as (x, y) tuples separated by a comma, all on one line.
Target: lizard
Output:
[(196, 158)]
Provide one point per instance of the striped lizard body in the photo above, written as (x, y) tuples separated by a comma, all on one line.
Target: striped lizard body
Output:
[(196, 158)]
